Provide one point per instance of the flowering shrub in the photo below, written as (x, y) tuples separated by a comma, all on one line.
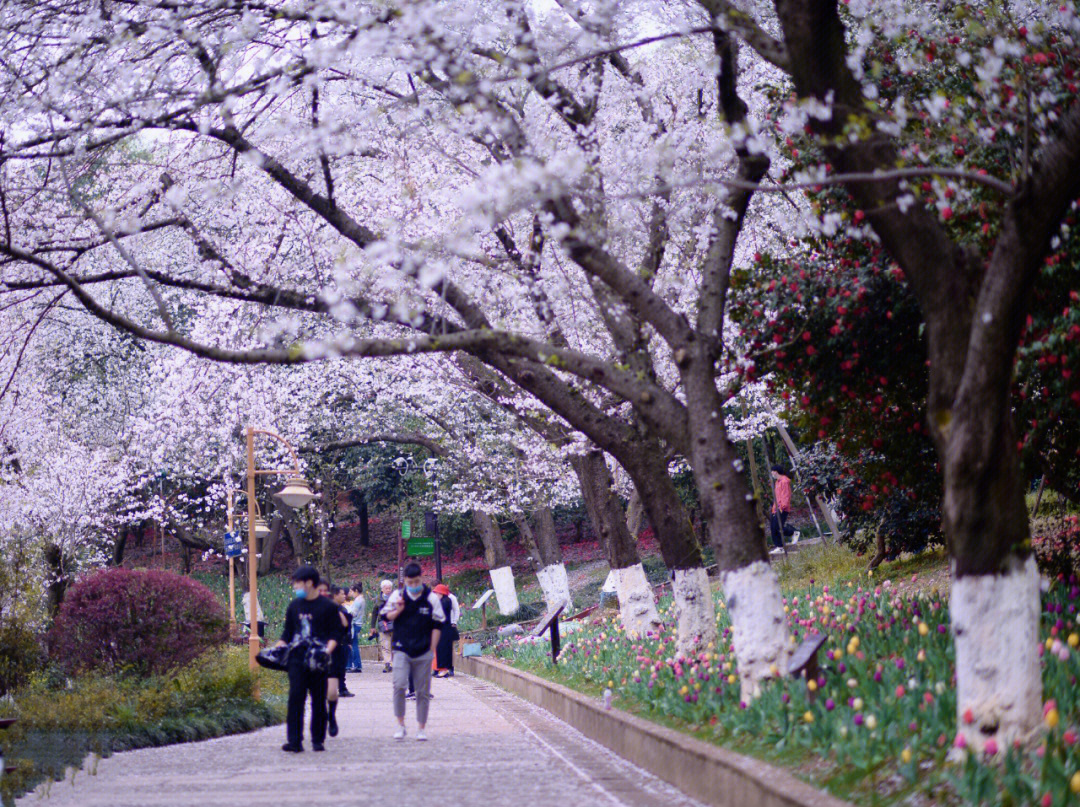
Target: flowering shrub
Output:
[(881, 715), (144, 622), (1056, 543)]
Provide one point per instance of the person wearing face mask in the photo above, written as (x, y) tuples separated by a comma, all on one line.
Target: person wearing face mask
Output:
[(417, 616), (310, 620)]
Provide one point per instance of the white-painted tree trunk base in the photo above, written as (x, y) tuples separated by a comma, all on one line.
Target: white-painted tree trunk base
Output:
[(555, 585), (759, 633), (694, 610), (502, 580), (995, 622), (637, 606)]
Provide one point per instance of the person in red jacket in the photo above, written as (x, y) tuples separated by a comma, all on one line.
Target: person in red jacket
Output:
[(781, 507)]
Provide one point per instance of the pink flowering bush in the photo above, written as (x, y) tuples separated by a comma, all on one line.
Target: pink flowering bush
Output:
[(140, 622)]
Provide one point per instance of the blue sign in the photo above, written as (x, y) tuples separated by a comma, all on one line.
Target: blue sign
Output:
[(234, 545)]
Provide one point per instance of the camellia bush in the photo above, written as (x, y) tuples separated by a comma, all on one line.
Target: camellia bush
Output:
[(138, 622)]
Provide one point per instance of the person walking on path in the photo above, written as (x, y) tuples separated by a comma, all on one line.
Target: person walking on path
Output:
[(381, 627), (781, 507), (339, 661), (417, 617), (260, 621), (444, 652), (357, 606), (312, 631)]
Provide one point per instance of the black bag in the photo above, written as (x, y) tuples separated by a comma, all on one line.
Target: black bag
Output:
[(274, 658)]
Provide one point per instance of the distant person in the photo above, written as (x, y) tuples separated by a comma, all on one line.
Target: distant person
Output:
[(417, 617), (335, 685), (312, 631), (381, 627), (261, 620), (357, 608), (780, 509), (444, 651)]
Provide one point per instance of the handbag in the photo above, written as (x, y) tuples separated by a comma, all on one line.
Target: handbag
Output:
[(274, 658)]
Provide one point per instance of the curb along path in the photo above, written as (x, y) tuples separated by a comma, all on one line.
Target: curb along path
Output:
[(487, 747)]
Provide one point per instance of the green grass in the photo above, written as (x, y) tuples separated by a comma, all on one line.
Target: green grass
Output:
[(61, 722), (834, 564)]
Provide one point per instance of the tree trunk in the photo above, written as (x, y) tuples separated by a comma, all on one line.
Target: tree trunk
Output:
[(119, 546), (552, 574), (58, 581), (751, 588), (635, 514), (502, 576), (637, 606), (185, 557), (679, 547), (269, 544), (362, 514), (995, 592), (529, 537)]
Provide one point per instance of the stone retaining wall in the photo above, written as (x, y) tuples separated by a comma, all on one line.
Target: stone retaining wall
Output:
[(707, 772)]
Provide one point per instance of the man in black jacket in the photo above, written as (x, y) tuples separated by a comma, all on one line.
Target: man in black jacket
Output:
[(417, 615), (310, 622)]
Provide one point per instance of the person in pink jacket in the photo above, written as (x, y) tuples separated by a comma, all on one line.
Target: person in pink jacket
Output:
[(781, 507)]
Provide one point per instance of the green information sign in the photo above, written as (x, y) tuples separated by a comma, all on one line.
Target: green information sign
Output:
[(421, 547), (406, 528)]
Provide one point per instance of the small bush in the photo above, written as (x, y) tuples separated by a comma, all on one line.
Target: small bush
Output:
[(140, 622), (20, 654)]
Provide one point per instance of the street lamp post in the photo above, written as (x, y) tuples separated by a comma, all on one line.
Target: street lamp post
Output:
[(296, 493)]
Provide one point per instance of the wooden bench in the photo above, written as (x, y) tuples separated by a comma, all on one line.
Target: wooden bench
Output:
[(804, 660)]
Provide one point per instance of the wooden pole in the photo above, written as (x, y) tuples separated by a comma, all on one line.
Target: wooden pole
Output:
[(253, 567)]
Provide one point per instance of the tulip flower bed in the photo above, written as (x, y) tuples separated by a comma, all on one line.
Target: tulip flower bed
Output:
[(878, 725)]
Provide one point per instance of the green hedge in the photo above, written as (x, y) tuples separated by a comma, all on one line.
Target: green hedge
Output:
[(62, 721)]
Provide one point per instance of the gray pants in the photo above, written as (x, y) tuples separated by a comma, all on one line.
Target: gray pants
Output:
[(420, 667)]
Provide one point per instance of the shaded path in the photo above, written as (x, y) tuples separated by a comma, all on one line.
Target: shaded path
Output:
[(486, 748)]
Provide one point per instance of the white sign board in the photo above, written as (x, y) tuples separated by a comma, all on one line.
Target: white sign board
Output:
[(611, 585), (483, 600)]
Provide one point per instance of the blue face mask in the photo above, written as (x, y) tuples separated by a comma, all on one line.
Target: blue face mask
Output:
[(299, 592), (415, 589)]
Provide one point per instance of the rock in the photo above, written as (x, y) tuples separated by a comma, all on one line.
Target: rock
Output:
[(512, 629)]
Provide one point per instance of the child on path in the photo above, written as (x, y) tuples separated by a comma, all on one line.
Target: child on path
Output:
[(312, 630), (417, 617)]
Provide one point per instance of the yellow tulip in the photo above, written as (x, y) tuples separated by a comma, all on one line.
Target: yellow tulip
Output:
[(1074, 639), (923, 629), (811, 685), (905, 756), (731, 679), (808, 716), (1052, 718), (1074, 782)]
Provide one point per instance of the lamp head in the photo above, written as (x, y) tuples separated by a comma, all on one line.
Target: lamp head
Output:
[(296, 493), (261, 528)]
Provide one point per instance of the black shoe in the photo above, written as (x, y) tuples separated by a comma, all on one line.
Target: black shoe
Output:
[(317, 747), (449, 674), (410, 696), (346, 694), (293, 749), (387, 668), (331, 728)]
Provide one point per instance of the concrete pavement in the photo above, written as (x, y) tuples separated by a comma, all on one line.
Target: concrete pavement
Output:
[(486, 747)]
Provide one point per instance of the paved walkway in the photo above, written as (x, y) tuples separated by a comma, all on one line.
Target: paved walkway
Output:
[(487, 748)]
